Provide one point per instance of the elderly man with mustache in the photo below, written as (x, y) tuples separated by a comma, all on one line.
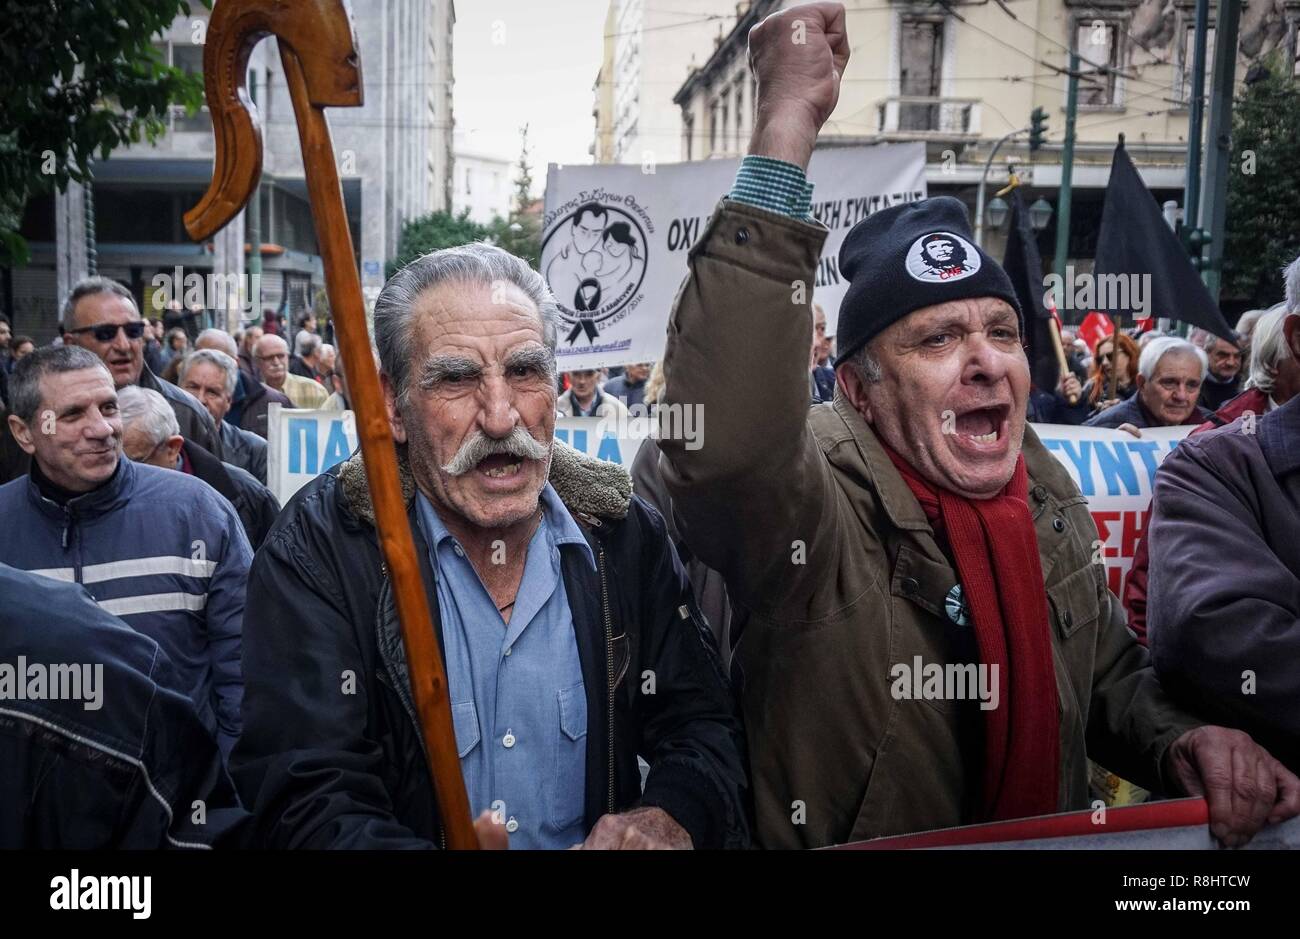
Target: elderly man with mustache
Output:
[(572, 642), (928, 641)]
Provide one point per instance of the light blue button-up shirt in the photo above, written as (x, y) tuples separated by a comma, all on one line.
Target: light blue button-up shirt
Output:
[(519, 704)]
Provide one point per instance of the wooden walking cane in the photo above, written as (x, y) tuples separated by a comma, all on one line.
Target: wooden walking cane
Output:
[(322, 69)]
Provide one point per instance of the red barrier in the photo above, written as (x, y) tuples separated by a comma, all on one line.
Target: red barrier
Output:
[(1174, 813)]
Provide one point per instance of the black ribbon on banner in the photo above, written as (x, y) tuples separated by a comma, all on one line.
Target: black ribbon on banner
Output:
[(583, 326)]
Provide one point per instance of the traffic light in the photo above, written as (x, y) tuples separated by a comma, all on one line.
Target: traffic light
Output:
[(1037, 129), (1197, 239)]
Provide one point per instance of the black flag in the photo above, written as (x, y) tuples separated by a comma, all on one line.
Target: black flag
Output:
[(1025, 268), (1136, 243)]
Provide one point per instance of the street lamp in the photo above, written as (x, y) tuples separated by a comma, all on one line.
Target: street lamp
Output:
[(996, 212), (1040, 214)]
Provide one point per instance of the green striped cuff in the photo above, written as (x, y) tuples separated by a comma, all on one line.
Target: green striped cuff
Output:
[(774, 185)]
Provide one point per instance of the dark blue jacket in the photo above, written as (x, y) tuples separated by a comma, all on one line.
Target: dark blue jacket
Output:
[(160, 549), (121, 765), (1132, 411), (322, 768)]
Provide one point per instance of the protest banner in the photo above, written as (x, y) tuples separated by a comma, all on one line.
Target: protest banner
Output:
[(1114, 470), (302, 444), (615, 240)]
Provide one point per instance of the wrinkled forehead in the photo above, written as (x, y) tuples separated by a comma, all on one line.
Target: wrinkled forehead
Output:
[(84, 387), (1177, 363), (973, 313), (205, 373), (488, 319)]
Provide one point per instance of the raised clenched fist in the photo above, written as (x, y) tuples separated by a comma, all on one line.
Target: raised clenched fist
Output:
[(798, 56)]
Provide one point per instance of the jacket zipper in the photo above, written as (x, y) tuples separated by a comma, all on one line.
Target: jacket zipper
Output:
[(609, 673)]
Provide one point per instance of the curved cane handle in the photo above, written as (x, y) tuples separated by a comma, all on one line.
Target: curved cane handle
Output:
[(320, 34)]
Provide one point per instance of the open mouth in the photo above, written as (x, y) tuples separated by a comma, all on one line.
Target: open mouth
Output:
[(499, 466), (983, 426)]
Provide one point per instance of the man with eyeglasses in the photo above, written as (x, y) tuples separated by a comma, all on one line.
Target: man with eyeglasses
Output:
[(272, 356), (100, 315)]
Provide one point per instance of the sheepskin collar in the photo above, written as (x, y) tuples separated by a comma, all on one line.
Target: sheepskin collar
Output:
[(585, 485)]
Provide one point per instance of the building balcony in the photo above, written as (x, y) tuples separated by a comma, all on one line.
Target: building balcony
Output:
[(912, 116)]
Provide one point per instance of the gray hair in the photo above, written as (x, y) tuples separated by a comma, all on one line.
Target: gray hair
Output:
[(148, 409), (1268, 350), (1248, 321), (220, 338), (478, 263), (868, 367), (25, 382), (89, 286), (215, 357), (307, 345), (1204, 339), (1291, 275), (1166, 345)]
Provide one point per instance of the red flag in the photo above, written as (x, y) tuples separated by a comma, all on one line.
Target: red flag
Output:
[(1094, 328)]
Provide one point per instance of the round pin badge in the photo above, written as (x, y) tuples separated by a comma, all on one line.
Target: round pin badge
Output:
[(956, 607)]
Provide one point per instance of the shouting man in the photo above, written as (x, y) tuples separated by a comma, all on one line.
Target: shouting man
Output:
[(914, 527), (571, 639)]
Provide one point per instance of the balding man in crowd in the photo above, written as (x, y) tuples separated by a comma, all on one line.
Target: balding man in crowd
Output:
[(149, 436), (272, 357), (251, 402), (1223, 369), (307, 362), (916, 526), (212, 376), (100, 315)]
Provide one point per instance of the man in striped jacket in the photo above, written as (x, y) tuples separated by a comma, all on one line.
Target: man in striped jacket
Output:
[(161, 550)]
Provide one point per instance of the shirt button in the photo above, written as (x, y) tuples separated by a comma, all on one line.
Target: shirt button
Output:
[(910, 585), (509, 649), (512, 826), (508, 740), (1058, 523), (742, 235), (460, 552)]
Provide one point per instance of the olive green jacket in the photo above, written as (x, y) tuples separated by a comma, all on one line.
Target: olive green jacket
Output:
[(821, 540)]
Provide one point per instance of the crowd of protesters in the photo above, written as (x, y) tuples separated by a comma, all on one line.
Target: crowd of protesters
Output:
[(692, 654)]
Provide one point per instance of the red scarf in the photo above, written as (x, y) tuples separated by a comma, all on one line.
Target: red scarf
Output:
[(996, 550)]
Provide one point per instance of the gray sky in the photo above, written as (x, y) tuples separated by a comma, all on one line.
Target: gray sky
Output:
[(528, 61)]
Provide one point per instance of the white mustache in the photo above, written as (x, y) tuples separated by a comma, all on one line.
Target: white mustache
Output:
[(477, 448)]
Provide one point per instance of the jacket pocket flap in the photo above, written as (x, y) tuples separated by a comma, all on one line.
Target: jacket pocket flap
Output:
[(1075, 600)]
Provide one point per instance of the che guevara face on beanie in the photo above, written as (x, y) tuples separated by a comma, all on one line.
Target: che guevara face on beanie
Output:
[(908, 257)]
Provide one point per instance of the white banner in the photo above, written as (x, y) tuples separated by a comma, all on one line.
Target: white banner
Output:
[(1114, 470), (303, 444), (616, 237)]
